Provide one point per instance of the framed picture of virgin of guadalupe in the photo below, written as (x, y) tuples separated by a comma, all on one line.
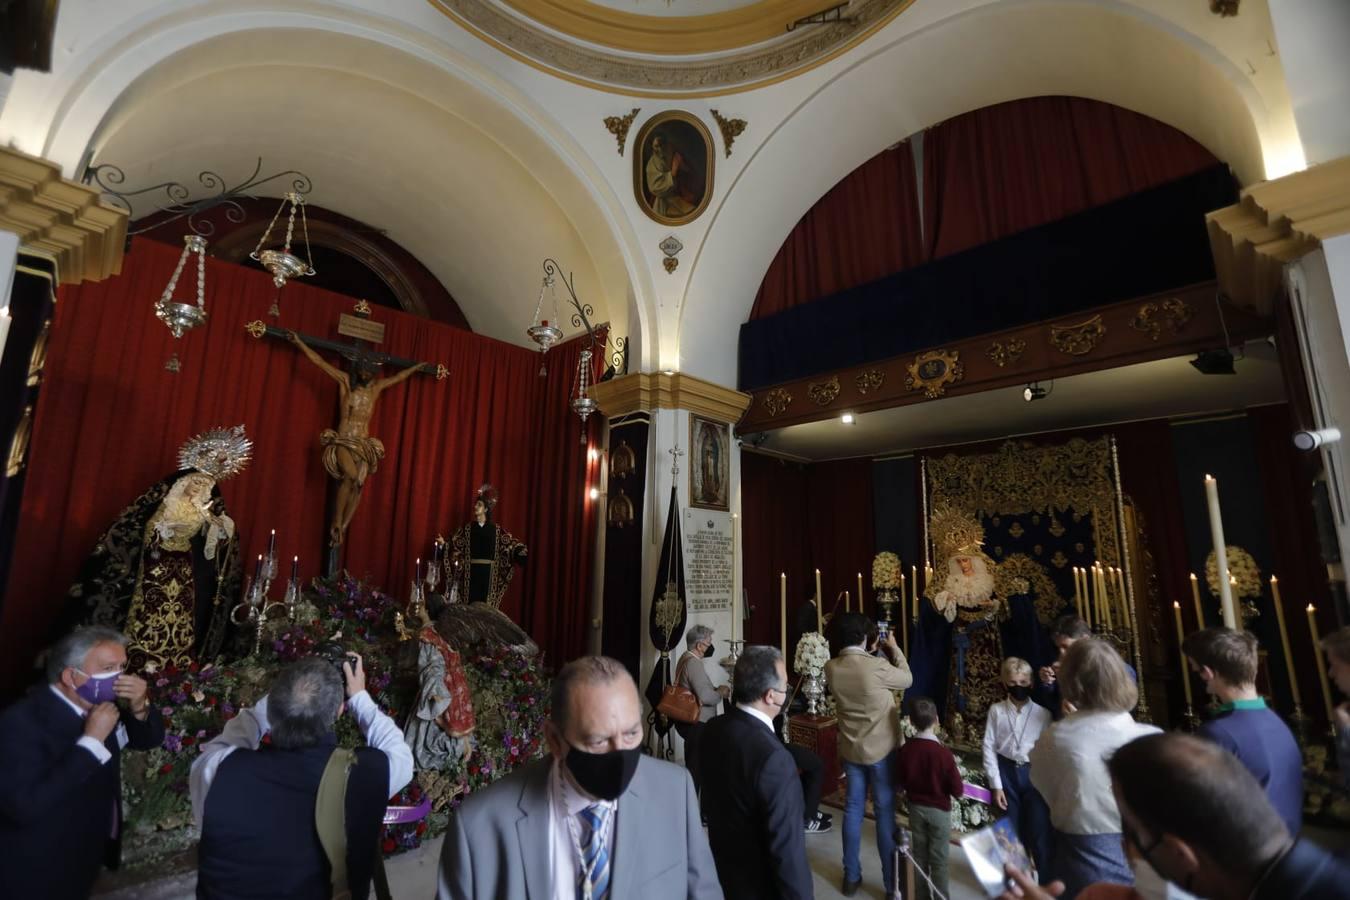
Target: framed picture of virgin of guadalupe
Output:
[(673, 167), (710, 464)]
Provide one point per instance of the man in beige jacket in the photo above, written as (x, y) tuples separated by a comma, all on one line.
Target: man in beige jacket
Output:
[(863, 687)]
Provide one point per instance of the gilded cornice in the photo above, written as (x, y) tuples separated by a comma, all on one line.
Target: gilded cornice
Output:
[(574, 56), (61, 219), (1274, 223), (647, 391)]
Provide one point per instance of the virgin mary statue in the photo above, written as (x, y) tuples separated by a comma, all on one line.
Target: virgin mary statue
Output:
[(167, 572)]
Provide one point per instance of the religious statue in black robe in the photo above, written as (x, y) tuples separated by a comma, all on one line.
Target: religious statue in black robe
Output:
[(167, 571), (483, 555)]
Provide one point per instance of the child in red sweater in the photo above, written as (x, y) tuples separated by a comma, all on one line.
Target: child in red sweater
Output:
[(926, 771)]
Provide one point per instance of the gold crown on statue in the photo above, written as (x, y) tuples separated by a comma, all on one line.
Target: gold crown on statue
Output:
[(221, 452), (955, 533)]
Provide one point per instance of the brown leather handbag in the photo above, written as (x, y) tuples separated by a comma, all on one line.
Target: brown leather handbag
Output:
[(678, 703)]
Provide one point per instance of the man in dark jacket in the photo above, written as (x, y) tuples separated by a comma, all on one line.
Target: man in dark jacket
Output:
[(752, 797), (60, 767)]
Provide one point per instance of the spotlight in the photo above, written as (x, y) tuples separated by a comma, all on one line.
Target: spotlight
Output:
[(847, 418), (595, 493), (1214, 362), (1034, 392)]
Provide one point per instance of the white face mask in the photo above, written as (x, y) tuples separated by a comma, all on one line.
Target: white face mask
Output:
[(1149, 885)]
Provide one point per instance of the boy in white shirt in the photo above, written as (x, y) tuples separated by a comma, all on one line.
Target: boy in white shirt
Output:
[(1011, 729)]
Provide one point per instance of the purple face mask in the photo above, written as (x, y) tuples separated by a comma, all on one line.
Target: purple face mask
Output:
[(98, 688)]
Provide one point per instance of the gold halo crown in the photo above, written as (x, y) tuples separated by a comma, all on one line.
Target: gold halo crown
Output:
[(955, 533), (221, 452)]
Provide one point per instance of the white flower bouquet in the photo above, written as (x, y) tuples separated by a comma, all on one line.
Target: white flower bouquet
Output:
[(812, 654), (886, 571)]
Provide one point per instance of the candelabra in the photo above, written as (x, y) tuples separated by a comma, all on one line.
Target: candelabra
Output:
[(255, 609), (886, 599), (1189, 720), (729, 661)]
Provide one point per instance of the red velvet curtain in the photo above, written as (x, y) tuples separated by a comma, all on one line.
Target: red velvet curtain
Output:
[(1006, 168), (810, 516), (865, 228), (111, 420)]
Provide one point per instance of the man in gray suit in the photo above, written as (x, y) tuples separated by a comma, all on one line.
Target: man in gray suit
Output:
[(595, 820)]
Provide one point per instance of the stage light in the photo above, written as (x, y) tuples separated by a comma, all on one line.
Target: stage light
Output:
[(595, 493), (1034, 392), (847, 419)]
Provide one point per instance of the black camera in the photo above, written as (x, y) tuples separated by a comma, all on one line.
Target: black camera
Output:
[(336, 654)]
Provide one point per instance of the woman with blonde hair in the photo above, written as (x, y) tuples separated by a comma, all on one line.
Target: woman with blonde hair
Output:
[(1068, 765)]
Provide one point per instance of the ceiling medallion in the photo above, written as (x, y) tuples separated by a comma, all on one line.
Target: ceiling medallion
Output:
[(699, 58), (1080, 339), (671, 247), (731, 129), (1174, 312), (869, 381), (777, 400), (822, 393), (933, 370), (619, 125), (1001, 354)]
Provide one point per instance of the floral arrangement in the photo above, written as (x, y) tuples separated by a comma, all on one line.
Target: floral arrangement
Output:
[(812, 655), (886, 571), (1241, 567), (510, 693)]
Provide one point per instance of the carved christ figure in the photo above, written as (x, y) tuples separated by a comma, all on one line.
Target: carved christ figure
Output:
[(350, 454)]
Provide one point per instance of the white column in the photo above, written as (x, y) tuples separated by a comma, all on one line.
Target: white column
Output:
[(1312, 36), (9, 258)]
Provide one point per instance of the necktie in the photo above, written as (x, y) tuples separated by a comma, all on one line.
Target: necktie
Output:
[(594, 881)]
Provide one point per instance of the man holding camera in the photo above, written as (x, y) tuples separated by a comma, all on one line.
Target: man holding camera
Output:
[(299, 817)]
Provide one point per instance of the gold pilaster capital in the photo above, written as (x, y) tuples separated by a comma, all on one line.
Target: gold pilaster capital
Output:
[(647, 391)]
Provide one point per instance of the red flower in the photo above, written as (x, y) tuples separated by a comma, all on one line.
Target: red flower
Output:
[(421, 828), (166, 768), (189, 741), (210, 701), (388, 845)]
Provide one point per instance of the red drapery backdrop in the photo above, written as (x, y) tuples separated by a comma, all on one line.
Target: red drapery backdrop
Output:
[(111, 420), (813, 516), (1006, 168), (865, 228)]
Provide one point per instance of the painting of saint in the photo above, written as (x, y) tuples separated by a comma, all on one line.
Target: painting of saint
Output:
[(710, 468), (673, 168)]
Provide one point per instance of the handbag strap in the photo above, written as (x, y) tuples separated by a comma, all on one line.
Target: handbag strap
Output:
[(330, 817), (679, 667)]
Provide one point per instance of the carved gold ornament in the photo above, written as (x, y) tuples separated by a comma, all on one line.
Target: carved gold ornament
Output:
[(822, 393), (256, 328), (1173, 313), (1080, 339), (869, 381), (1001, 354), (671, 264), (933, 370), (777, 400), (731, 129), (362, 308), (622, 461), (619, 125)]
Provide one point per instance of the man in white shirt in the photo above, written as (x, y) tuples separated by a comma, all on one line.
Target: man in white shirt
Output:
[(1011, 729), (255, 804)]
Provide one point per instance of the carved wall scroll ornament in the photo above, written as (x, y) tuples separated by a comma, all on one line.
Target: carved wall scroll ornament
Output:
[(1080, 339), (777, 400), (822, 393), (1001, 354), (619, 125), (1174, 313), (933, 370), (869, 381), (18, 446), (731, 129), (622, 461)]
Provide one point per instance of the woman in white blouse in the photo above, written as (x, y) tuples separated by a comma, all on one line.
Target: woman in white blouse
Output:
[(1068, 765)]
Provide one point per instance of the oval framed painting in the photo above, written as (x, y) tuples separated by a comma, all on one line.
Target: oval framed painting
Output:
[(673, 165)]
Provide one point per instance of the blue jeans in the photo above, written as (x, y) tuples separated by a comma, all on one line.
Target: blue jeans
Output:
[(878, 776)]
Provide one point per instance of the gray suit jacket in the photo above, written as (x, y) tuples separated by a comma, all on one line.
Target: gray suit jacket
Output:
[(497, 845)]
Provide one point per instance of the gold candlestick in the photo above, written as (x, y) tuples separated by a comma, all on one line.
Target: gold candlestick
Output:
[(1321, 663), (1284, 641), (1185, 669), (1199, 610)]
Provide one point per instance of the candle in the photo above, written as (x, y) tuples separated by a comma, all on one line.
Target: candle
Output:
[(1195, 595), (272, 545), (4, 326), (295, 569), (860, 594), (417, 569), (782, 619), (257, 571), (1321, 663), (1185, 669), (914, 589), (820, 606), (845, 601), (1220, 552), (1284, 640)]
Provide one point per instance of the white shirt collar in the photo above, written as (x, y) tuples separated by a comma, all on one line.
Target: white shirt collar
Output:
[(927, 737), (82, 713), (768, 723)]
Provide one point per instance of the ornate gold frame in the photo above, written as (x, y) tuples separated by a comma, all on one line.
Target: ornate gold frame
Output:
[(710, 151)]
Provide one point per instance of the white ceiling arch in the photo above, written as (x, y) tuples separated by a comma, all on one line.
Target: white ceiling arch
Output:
[(396, 129), (1113, 51)]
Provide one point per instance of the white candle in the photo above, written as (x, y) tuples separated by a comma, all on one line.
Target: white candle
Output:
[(860, 603), (782, 618), (820, 606), (1220, 552), (4, 329), (735, 594)]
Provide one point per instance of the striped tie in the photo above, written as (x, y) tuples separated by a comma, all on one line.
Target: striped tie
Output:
[(596, 855)]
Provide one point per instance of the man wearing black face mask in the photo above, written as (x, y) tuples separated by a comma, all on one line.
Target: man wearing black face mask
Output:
[(751, 793), (595, 819)]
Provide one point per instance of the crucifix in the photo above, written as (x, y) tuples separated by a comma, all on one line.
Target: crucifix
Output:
[(350, 453)]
